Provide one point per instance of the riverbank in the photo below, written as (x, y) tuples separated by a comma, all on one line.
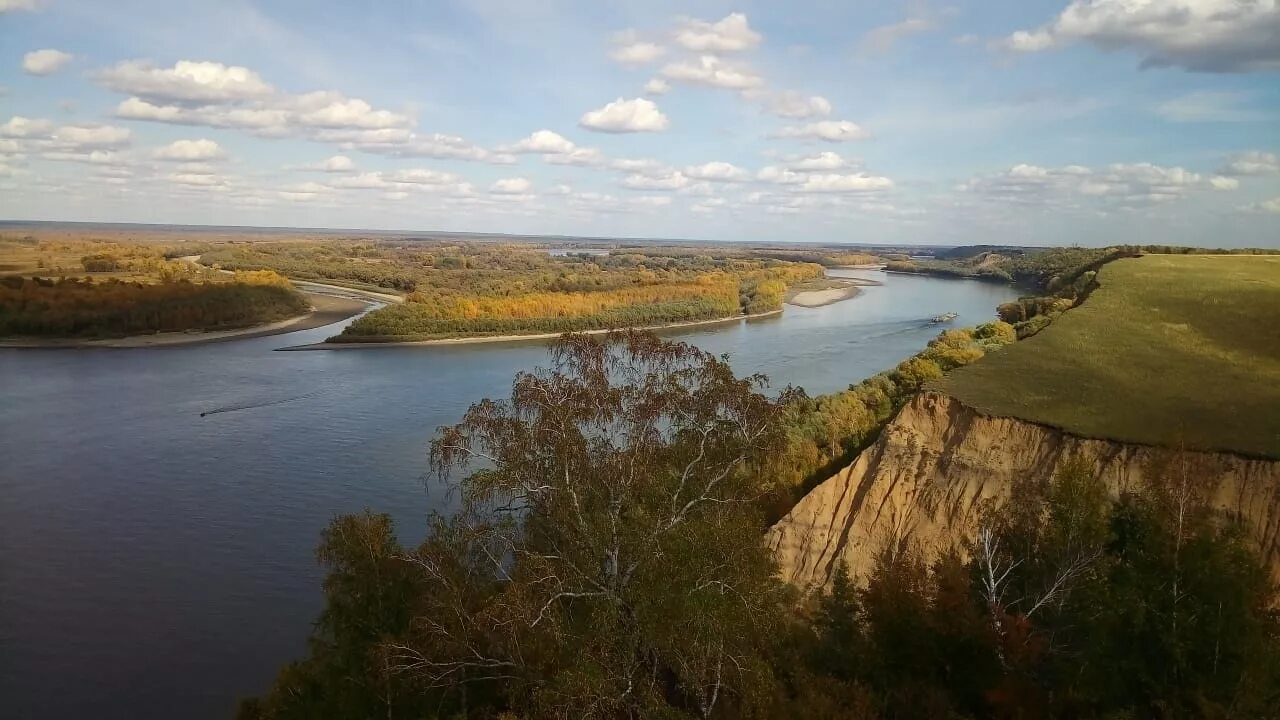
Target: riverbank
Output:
[(325, 310), (480, 339), (828, 290)]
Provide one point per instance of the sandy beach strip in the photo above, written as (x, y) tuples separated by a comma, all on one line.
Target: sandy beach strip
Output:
[(481, 339), (818, 298), (325, 310)]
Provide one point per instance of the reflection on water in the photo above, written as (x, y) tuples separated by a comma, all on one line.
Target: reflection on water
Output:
[(159, 508)]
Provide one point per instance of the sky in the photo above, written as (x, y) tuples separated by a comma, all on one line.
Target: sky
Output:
[(1030, 122)]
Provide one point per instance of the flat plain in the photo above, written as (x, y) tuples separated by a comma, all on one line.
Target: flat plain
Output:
[(1179, 350)]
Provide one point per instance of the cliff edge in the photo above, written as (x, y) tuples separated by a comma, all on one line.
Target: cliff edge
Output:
[(938, 460)]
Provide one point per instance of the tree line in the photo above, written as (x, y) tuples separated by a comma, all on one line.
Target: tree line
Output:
[(73, 307), (606, 562)]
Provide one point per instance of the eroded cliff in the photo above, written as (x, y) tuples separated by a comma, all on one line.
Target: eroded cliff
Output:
[(938, 460)]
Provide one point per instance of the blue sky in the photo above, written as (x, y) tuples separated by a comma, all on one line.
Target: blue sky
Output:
[(1031, 122)]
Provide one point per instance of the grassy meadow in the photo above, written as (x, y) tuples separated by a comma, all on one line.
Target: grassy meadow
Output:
[(1170, 349)]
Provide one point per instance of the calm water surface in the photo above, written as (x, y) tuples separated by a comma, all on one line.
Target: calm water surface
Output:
[(159, 564)]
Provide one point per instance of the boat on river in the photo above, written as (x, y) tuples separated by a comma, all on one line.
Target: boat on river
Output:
[(943, 318)]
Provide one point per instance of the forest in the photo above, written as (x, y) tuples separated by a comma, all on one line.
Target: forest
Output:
[(83, 308), (459, 290), (605, 562), (100, 289)]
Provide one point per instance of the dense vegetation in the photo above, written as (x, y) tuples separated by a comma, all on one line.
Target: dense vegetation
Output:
[(1183, 347), (72, 307), (97, 289), (606, 563), (824, 433), (455, 290)]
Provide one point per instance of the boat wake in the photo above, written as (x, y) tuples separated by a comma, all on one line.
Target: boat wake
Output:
[(251, 406)]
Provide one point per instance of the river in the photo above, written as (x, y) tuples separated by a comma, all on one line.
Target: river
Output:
[(159, 563)]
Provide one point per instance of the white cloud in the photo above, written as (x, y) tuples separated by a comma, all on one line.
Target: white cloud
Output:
[(338, 164), (15, 5), (827, 130), (642, 166), (197, 180), (423, 176), (91, 157), (581, 157), (1266, 206), (822, 161), (511, 186), (652, 200), (712, 71), (45, 62), (637, 53), (656, 86), (22, 127), (626, 116), (544, 142), (1198, 35), (797, 106), (716, 171), (362, 181), (1023, 41), (1254, 162), (91, 136), (190, 151), (779, 176), (186, 82), (1127, 183), (673, 180), (731, 34), (326, 109), (835, 183)]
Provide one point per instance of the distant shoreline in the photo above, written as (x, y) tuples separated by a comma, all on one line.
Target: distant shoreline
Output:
[(325, 310), (481, 339)]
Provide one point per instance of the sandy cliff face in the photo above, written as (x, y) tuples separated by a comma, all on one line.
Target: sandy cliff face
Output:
[(938, 460)]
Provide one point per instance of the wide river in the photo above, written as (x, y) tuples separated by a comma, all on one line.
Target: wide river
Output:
[(155, 563)]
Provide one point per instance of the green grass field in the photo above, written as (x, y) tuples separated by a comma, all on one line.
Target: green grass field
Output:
[(1170, 350)]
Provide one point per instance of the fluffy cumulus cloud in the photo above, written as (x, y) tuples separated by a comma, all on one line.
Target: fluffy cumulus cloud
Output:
[(1270, 207), (670, 180), (543, 142), (94, 144), (45, 62), (711, 71), (836, 183), (656, 86), (16, 5), (209, 94), (805, 175), (628, 49), (338, 164), (731, 34), (1198, 35), (823, 161), (187, 82), (190, 151), (797, 106), (826, 130), (24, 127), (626, 116), (1120, 183), (716, 171), (1254, 162), (511, 186)]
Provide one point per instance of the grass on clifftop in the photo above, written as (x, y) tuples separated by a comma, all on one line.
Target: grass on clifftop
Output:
[(1171, 349)]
